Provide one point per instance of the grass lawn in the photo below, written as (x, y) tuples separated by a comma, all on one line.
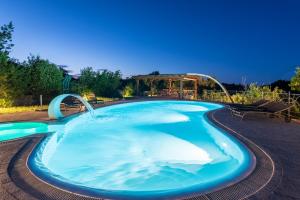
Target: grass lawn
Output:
[(16, 109), (106, 99)]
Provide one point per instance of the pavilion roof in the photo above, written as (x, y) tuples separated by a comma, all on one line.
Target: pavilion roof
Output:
[(167, 77)]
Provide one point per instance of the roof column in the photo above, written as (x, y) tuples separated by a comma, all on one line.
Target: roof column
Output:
[(137, 87), (151, 89), (196, 89), (181, 89), (170, 87)]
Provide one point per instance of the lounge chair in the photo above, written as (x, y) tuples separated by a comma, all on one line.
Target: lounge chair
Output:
[(95, 101), (258, 105), (71, 103), (92, 99), (271, 109)]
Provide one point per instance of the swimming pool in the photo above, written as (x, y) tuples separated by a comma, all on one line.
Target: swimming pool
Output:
[(9, 131), (142, 150)]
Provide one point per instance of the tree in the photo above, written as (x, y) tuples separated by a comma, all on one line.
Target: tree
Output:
[(45, 77), (155, 73), (6, 38), (295, 81), (17, 78), (5, 98), (107, 83), (12, 81), (281, 84), (86, 80)]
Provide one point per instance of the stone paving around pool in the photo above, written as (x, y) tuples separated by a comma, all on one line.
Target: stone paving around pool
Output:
[(275, 178), (281, 141)]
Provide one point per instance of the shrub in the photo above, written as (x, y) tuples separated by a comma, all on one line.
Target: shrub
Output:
[(251, 94), (295, 81), (128, 91)]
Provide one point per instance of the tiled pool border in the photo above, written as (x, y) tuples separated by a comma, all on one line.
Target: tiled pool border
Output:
[(24, 179)]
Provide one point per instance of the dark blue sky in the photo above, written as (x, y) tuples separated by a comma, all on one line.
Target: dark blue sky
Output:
[(259, 40)]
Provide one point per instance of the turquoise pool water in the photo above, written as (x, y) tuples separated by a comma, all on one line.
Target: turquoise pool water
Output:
[(11, 131), (144, 150)]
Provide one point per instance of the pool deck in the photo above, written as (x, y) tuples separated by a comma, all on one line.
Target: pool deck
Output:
[(278, 139), (42, 116), (275, 143)]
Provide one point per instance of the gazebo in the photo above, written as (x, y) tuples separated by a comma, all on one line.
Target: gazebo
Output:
[(196, 78)]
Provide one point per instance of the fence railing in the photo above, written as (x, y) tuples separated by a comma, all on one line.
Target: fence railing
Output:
[(246, 97), (262, 95)]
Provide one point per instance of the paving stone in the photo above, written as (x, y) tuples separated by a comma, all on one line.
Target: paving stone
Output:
[(277, 138)]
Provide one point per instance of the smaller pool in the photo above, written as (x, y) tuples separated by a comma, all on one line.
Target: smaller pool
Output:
[(16, 130)]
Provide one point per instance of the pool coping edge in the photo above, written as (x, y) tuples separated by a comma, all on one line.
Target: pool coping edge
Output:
[(37, 138)]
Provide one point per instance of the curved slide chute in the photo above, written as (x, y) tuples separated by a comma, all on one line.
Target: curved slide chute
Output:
[(54, 111), (216, 81)]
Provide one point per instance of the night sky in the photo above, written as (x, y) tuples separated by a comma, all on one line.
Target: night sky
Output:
[(231, 40)]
